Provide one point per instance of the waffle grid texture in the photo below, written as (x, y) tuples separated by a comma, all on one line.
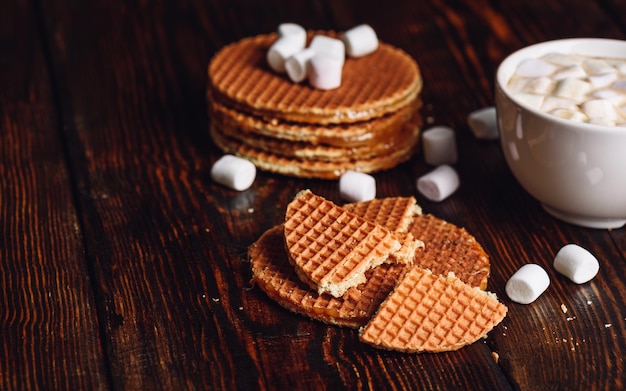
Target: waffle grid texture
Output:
[(330, 248), (431, 313)]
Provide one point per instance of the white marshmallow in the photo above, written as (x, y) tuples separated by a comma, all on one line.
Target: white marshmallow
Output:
[(357, 186), (602, 80), (620, 85), (439, 183), (599, 109), (620, 66), (562, 59), (554, 102), (574, 89), (280, 51), (293, 31), (328, 46), (609, 94), (324, 72), (595, 66), (233, 172), (576, 263), (532, 100), (439, 145), (538, 85), (573, 115), (360, 40), (527, 284), (533, 67), (572, 71), (483, 123), (296, 65)]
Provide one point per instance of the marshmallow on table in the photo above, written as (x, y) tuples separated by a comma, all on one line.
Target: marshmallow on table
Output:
[(483, 123), (296, 65), (439, 183), (293, 31), (527, 284), (357, 186), (439, 145), (324, 71), (360, 40), (576, 263), (233, 172), (281, 50)]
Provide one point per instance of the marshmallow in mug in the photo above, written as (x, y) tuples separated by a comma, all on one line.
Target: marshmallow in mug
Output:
[(439, 183), (571, 86), (233, 172), (527, 284), (357, 186)]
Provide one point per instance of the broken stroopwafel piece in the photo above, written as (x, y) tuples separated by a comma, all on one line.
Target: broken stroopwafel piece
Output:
[(331, 248), (431, 313), (272, 272)]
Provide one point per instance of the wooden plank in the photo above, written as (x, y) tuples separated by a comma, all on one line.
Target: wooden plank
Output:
[(168, 246), (50, 336)]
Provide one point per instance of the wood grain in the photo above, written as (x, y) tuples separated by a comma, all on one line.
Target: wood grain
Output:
[(124, 266)]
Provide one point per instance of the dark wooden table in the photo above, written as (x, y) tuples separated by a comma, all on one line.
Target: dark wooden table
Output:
[(123, 266)]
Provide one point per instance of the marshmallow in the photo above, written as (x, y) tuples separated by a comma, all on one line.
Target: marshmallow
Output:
[(532, 100), (234, 172), (615, 97), (296, 65), (357, 186), (576, 263), (572, 71), (439, 144), (292, 31), (360, 40), (602, 80), (281, 50), (573, 115), (527, 284), (324, 71), (574, 89), (599, 109), (483, 123), (562, 59), (438, 184), (553, 102), (328, 46), (620, 85), (538, 85), (595, 66), (533, 67)]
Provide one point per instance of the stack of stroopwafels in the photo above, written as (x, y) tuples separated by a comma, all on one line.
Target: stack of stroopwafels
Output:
[(436, 303), (370, 123)]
